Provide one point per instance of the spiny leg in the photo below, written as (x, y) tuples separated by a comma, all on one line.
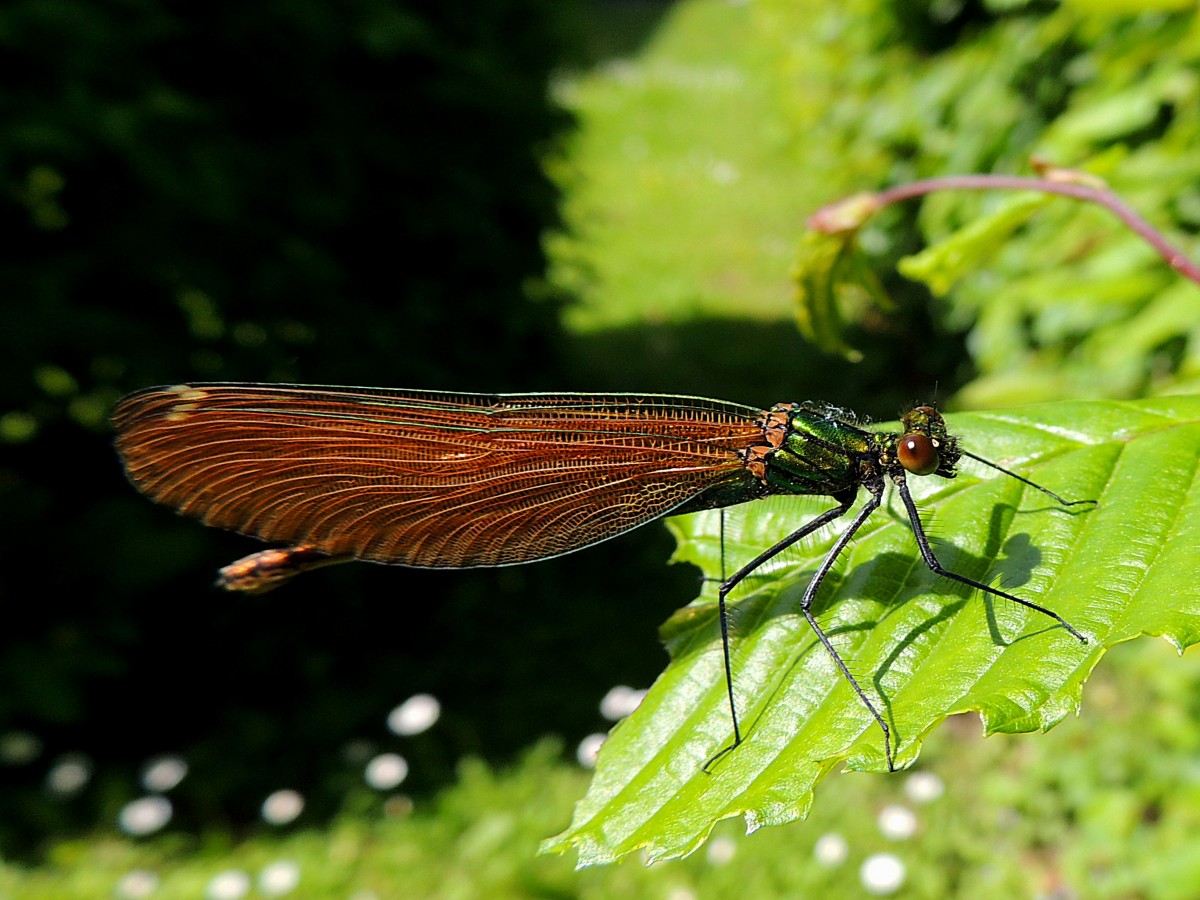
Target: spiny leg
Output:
[(740, 575), (709, 579), (931, 561), (722, 546), (810, 594)]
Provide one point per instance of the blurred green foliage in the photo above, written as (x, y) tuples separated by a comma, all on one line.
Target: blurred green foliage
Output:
[(1075, 304), (833, 99)]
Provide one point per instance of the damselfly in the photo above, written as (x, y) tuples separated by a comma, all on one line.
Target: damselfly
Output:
[(444, 480)]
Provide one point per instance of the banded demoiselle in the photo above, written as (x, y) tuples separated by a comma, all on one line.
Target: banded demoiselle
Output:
[(445, 480)]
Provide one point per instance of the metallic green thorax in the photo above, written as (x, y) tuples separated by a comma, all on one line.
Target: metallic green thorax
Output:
[(811, 448), (824, 449)]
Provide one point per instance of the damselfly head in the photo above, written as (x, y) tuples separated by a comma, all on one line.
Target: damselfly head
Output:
[(924, 446)]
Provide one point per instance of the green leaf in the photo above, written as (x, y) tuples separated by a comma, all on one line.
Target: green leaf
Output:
[(942, 264), (923, 647)]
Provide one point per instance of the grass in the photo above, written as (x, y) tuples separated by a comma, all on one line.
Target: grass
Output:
[(1106, 805), (689, 178)]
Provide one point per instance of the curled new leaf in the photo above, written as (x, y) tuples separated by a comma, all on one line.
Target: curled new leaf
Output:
[(940, 265), (833, 281)]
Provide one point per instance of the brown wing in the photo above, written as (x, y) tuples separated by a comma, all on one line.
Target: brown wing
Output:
[(427, 479)]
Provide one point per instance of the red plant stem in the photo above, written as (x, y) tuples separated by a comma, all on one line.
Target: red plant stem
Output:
[(1106, 198)]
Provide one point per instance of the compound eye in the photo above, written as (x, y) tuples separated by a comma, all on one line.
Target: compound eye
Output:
[(918, 455)]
